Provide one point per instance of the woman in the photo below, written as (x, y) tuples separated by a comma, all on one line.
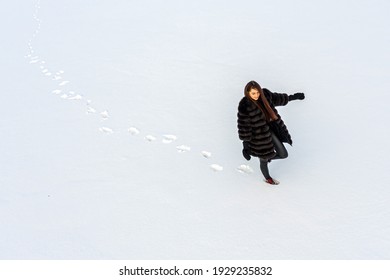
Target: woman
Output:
[(261, 128)]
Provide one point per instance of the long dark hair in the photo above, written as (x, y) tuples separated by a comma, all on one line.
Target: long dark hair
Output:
[(267, 111)]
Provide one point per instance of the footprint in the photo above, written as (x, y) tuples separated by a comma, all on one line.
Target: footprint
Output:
[(63, 83), (56, 78), (133, 131), (150, 138), (56, 91), (183, 149), (206, 154), (64, 96), (106, 130), (76, 97), (245, 169), (167, 139), (91, 110), (104, 115), (216, 167)]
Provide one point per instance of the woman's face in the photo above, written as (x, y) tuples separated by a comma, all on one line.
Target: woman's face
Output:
[(254, 94)]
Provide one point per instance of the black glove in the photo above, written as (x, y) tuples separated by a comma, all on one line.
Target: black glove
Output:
[(295, 96), (246, 151)]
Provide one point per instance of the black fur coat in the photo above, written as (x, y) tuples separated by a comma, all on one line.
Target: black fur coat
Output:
[(252, 125)]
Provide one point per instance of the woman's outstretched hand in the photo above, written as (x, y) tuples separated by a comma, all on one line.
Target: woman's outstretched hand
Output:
[(296, 96)]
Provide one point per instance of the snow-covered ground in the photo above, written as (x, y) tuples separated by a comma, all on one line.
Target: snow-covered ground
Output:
[(119, 136)]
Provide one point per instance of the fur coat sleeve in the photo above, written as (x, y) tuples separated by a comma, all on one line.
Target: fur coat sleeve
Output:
[(277, 99), (244, 122)]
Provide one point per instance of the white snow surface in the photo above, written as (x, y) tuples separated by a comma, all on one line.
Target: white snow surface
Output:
[(178, 68)]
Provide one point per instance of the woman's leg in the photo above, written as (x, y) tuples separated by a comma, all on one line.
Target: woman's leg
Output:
[(281, 153), (264, 168), (280, 149)]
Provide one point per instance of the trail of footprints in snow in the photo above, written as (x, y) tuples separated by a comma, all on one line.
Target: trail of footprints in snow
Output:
[(65, 93)]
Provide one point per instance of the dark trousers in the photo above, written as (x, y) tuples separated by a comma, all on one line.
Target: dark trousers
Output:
[(281, 153)]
